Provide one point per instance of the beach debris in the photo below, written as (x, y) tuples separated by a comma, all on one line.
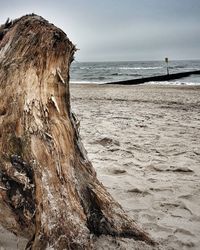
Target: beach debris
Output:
[(52, 195)]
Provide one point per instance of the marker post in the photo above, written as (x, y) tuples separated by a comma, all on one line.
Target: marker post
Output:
[(166, 60)]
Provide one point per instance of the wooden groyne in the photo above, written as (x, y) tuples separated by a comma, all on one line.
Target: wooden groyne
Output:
[(159, 78)]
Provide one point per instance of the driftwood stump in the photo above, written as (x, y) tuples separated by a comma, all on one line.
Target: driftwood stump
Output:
[(49, 192)]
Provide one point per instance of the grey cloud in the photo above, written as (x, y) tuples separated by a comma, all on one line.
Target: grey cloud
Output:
[(120, 30)]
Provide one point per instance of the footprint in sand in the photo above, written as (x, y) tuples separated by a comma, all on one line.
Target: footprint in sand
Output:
[(107, 142), (119, 171), (172, 169), (138, 191)]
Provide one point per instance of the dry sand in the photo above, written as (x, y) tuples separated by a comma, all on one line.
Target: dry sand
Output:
[(144, 142)]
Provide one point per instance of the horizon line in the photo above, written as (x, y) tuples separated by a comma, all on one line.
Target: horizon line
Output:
[(153, 60)]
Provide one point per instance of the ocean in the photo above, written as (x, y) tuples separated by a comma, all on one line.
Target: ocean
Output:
[(102, 72)]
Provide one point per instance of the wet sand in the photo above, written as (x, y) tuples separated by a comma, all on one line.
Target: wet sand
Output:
[(144, 142)]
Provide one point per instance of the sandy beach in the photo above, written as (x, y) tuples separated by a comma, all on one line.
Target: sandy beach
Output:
[(144, 144)]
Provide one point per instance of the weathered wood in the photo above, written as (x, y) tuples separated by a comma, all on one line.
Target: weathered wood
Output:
[(49, 192), (159, 78)]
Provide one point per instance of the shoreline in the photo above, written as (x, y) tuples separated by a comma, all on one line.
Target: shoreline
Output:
[(74, 85), (195, 84)]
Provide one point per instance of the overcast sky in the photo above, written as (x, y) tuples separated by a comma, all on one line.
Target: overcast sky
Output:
[(120, 30)]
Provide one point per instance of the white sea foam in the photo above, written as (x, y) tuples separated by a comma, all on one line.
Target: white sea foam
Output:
[(121, 68), (86, 82), (172, 83), (140, 68)]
